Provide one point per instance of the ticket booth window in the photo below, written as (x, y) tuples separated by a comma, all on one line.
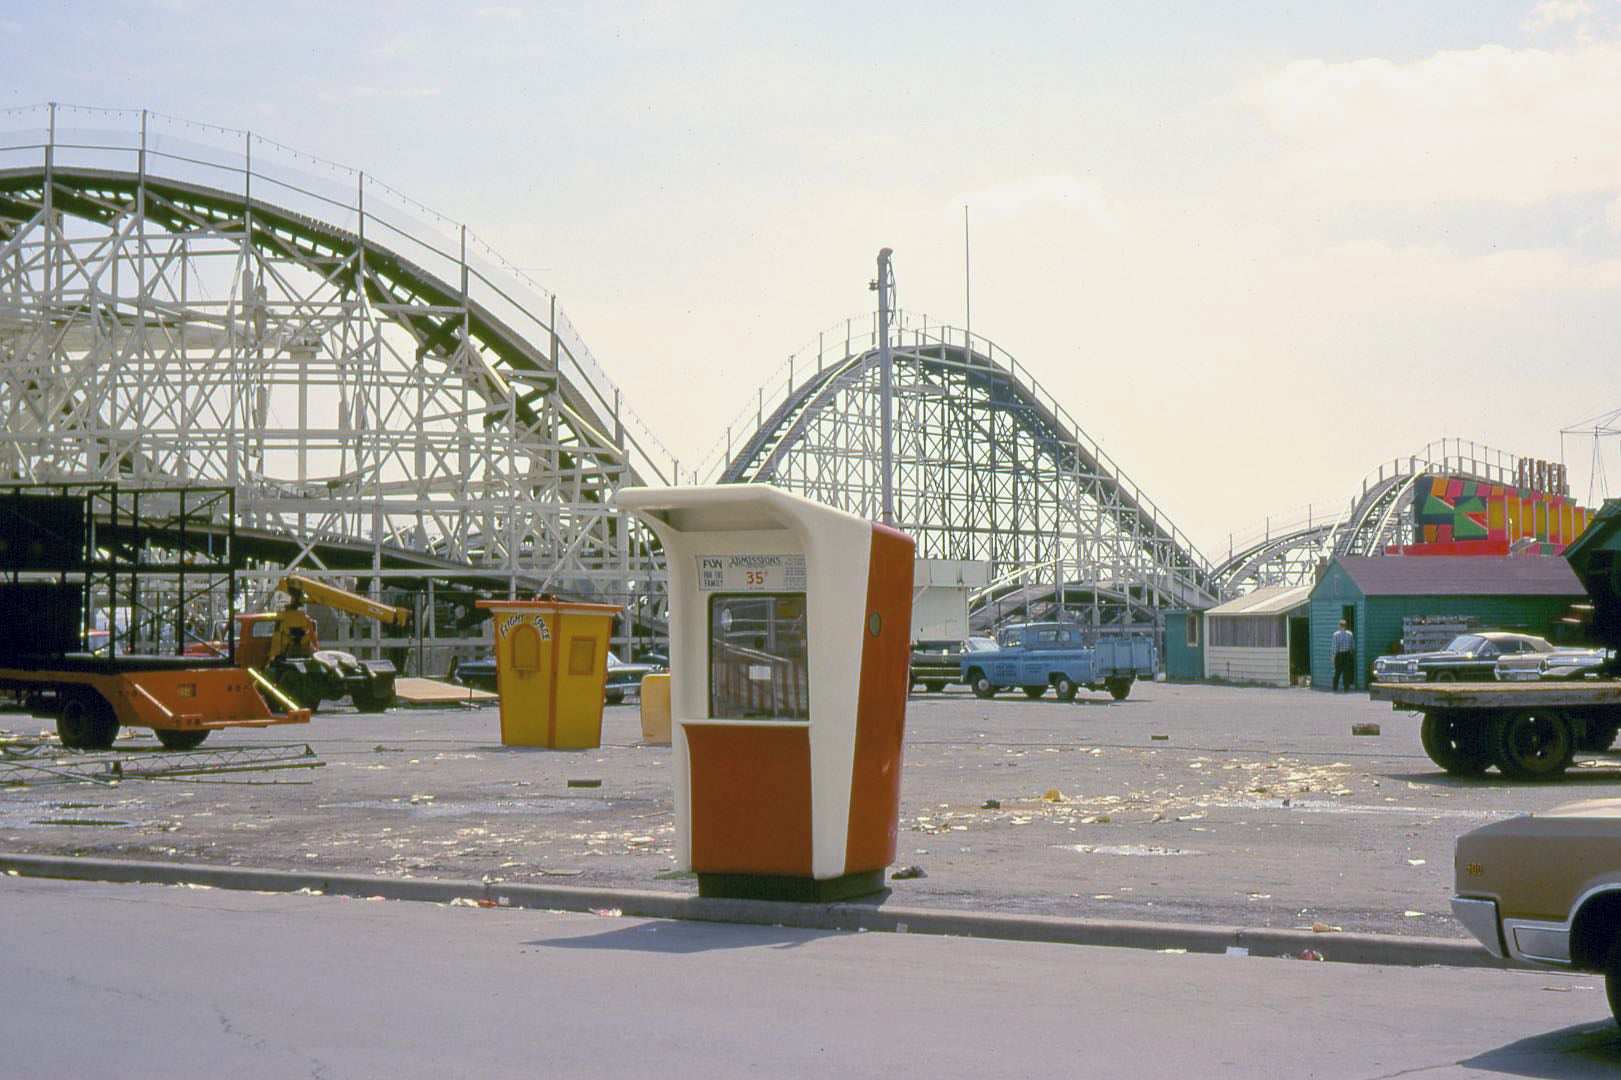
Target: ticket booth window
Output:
[(758, 656)]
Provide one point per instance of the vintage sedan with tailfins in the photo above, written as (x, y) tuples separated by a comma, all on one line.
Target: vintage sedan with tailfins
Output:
[(1468, 657)]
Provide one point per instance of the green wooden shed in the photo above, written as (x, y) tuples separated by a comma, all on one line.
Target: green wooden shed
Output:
[(1375, 593)]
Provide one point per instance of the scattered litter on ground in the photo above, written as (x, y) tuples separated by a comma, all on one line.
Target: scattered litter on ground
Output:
[(907, 873)]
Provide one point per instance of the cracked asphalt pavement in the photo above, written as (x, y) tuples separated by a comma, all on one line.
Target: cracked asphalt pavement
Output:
[(1184, 803)]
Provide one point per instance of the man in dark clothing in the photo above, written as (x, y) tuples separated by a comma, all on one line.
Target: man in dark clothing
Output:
[(1344, 658)]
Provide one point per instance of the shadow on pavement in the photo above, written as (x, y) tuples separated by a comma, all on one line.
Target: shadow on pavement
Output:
[(1606, 775), (685, 937), (1573, 1053)]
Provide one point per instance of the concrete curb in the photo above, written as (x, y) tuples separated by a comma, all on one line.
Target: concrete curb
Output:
[(850, 916)]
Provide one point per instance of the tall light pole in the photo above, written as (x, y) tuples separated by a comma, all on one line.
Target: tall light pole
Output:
[(886, 294)]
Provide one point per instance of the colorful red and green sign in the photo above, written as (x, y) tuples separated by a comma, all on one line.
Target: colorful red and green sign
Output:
[(1491, 518)]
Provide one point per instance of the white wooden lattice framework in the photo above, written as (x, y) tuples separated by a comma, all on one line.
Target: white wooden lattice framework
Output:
[(988, 466), (1377, 517), (185, 303)]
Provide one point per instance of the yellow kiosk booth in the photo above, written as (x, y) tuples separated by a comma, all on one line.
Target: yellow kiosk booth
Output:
[(789, 645), (551, 666)]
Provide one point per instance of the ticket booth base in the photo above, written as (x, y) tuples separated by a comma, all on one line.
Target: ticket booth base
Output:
[(791, 889)]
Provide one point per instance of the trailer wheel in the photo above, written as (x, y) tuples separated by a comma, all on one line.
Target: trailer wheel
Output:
[(1531, 744), (1065, 687), (175, 739), (86, 721), (1452, 744), (983, 687), (934, 686), (1118, 688)]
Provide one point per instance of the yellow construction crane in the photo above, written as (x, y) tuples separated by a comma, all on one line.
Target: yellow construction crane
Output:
[(284, 646)]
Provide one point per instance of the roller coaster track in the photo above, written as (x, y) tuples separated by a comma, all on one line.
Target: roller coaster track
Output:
[(1379, 516), (988, 466), (185, 303)]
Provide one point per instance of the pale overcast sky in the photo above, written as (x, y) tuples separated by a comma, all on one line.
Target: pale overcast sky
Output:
[(1254, 248)]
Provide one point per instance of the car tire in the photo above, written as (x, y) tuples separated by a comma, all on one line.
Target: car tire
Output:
[(1612, 978), (1530, 744), (1034, 692), (1065, 687), (1118, 688), (1453, 744), (983, 687), (1444, 676), (934, 687)]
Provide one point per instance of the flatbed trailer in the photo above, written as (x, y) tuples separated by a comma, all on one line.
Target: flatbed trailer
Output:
[(93, 696), (78, 557), (1530, 731)]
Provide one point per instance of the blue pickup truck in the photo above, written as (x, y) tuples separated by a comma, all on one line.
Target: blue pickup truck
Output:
[(1037, 656)]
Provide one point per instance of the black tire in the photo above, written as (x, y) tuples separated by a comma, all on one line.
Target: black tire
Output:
[(175, 739), (372, 699), (934, 687), (1118, 688), (87, 721), (1531, 744), (1065, 687), (1597, 738), (1444, 676), (301, 690), (983, 687), (1454, 744), (1612, 978), (1034, 692), (614, 699)]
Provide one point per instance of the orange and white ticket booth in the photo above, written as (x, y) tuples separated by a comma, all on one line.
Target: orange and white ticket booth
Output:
[(789, 645)]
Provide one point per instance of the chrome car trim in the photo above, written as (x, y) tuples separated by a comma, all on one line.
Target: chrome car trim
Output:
[(1537, 941), (1479, 917)]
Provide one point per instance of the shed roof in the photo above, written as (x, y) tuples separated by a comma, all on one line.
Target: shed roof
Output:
[(1461, 575), (1271, 600)]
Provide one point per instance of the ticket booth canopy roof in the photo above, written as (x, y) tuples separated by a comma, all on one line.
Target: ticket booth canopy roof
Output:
[(726, 508)]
